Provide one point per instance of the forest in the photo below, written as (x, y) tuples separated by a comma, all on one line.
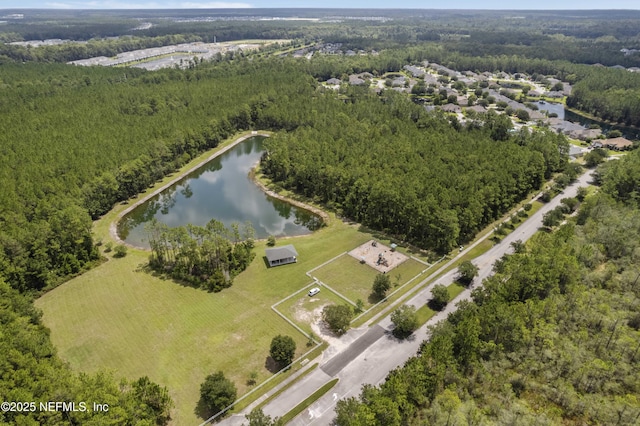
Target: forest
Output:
[(388, 164), (77, 140), (552, 338)]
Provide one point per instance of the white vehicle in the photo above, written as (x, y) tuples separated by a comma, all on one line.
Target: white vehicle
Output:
[(314, 291)]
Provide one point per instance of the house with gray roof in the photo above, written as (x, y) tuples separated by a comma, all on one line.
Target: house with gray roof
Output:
[(478, 109), (415, 71), (281, 255), (354, 80)]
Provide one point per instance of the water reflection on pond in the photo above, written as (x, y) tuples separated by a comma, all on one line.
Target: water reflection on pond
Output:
[(221, 189)]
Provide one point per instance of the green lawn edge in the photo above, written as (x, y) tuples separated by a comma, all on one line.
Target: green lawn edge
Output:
[(308, 401)]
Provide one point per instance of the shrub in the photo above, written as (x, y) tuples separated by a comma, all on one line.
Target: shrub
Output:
[(120, 250), (337, 317), (440, 298)]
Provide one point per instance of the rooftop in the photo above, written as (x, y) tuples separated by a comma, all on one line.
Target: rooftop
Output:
[(283, 252)]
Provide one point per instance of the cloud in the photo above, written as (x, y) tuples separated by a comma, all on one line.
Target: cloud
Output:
[(148, 5)]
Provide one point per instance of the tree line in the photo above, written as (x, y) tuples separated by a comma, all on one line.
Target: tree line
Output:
[(34, 373), (551, 337)]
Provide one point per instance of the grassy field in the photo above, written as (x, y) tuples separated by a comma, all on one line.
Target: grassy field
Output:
[(120, 318), (348, 276), (355, 280)]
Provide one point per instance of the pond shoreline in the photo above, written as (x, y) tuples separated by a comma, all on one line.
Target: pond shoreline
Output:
[(113, 227), (322, 214)]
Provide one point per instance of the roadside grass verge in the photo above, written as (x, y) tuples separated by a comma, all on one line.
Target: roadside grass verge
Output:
[(454, 290), (307, 402), (281, 390), (424, 314)]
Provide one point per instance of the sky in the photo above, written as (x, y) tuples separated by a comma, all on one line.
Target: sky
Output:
[(361, 4)]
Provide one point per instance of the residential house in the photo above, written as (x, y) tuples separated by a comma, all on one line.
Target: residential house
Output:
[(619, 144), (281, 255), (452, 108)]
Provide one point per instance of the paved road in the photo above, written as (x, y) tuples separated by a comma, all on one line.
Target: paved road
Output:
[(338, 362), (369, 358)]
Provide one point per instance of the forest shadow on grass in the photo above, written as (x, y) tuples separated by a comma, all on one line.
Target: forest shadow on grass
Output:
[(271, 365), (164, 276), (202, 411), (374, 298)]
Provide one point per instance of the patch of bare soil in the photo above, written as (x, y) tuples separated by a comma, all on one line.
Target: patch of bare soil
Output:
[(378, 256), (314, 318)]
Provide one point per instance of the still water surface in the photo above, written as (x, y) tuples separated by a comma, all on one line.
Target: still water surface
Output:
[(221, 190)]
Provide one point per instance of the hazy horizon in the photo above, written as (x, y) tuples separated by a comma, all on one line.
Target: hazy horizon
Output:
[(329, 4)]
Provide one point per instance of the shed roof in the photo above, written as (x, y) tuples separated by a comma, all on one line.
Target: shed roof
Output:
[(283, 252)]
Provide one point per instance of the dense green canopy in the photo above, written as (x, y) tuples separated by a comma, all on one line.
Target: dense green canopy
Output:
[(388, 164)]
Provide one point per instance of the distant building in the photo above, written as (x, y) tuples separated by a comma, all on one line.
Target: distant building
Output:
[(281, 255), (576, 151), (452, 108), (619, 144), (354, 80), (478, 109)]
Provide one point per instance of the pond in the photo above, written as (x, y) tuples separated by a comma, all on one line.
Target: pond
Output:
[(551, 107), (221, 190), (630, 133)]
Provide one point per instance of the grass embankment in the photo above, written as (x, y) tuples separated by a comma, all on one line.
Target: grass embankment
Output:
[(307, 402), (284, 388), (424, 312)]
